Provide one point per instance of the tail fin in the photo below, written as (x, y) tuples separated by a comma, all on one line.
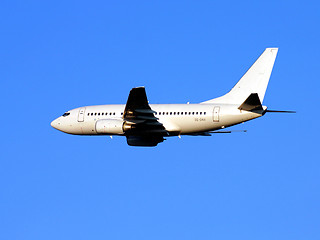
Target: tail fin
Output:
[(255, 80)]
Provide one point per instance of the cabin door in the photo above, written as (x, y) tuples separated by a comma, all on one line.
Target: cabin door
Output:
[(215, 116), (81, 114)]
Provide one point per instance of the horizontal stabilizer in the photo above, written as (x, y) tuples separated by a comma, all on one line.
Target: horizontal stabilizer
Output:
[(280, 111), (252, 103), (211, 132), (229, 131)]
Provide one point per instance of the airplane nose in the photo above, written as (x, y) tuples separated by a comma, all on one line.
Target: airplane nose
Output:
[(55, 123)]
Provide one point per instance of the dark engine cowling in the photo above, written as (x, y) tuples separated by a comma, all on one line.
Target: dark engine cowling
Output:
[(109, 126)]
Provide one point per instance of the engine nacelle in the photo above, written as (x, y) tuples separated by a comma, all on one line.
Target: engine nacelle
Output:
[(109, 126), (127, 127)]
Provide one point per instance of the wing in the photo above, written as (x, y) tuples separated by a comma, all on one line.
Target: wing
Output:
[(141, 127)]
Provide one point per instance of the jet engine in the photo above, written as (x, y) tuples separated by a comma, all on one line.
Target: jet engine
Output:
[(109, 126)]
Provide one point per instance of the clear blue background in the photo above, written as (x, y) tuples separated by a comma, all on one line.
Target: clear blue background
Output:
[(59, 55)]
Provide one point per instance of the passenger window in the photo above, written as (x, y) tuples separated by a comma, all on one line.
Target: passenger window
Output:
[(196, 113), (192, 113), (170, 113), (174, 113), (91, 114), (114, 113), (159, 113), (189, 113), (95, 114), (200, 113), (98, 114), (102, 113), (204, 113)]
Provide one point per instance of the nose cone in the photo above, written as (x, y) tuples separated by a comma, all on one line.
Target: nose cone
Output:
[(56, 123)]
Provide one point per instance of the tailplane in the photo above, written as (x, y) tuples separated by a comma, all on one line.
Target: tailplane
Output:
[(252, 103), (254, 81)]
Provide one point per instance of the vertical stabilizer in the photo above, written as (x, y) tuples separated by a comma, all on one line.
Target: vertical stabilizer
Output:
[(255, 80)]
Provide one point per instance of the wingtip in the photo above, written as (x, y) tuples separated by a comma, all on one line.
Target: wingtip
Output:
[(141, 87)]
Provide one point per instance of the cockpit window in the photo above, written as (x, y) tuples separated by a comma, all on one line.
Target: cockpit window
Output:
[(66, 114)]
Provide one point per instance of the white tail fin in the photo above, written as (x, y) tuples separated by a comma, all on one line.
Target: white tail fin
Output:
[(255, 80)]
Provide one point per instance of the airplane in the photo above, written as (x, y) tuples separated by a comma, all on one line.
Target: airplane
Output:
[(147, 125)]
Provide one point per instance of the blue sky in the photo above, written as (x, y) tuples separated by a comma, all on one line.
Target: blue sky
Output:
[(59, 55)]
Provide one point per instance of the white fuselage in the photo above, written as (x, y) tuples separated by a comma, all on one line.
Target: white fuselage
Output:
[(178, 119), (146, 124)]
